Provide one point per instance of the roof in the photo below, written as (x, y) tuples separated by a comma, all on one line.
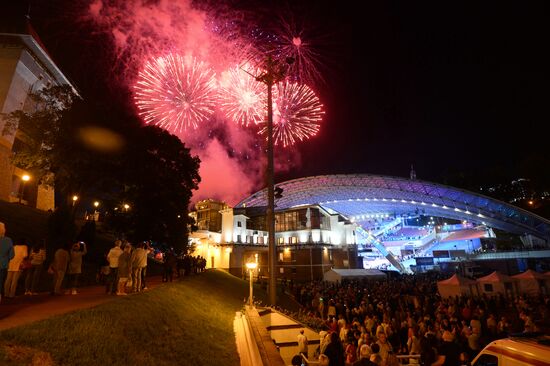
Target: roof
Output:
[(457, 280), (495, 277), (357, 195), (529, 275)]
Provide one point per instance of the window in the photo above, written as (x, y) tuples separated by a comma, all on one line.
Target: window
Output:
[(294, 240), (239, 224), (487, 360), (488, 287), (238, 238), (281, 240), (281, 257), (293, 270)]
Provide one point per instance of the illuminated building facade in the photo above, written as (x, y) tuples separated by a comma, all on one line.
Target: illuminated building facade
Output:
[(310, 240), (324, 222), (25, 67)]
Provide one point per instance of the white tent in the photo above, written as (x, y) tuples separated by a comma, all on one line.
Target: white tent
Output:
[(497, 283), (334, 275), (457, 286), (531, 282)]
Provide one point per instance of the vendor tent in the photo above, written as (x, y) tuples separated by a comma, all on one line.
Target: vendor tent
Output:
[(497, 283), (457, 286), (531, 282), (334, 275)]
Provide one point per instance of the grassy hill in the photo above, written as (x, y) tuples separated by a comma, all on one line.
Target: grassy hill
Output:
[(189, 322)]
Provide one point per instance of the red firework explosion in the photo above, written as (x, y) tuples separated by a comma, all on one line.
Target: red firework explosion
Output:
[(299, 43), (176, 93), (242, 97), (297, 113)]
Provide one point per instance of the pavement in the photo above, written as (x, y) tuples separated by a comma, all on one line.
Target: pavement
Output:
[(25, 309)]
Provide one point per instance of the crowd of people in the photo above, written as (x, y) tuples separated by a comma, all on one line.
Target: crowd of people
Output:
[(124, 270), (372, 322)]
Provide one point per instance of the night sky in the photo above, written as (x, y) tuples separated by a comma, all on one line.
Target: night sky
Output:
[(446, 87)]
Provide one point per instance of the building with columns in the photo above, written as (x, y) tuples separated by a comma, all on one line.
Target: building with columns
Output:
[(310, 240)]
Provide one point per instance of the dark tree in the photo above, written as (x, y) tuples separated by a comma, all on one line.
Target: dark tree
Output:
[(161, 177)]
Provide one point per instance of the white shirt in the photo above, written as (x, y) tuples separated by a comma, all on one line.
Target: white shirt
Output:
[(302, 343), (21, 252), (113, 255)]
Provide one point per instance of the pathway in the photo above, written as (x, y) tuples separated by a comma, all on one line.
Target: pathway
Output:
[(27, 309)]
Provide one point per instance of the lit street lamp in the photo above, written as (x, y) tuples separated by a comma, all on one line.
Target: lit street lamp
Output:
[(251, 267), (75, 198), (25, 178)]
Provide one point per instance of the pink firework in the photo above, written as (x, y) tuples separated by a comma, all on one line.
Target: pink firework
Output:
[(176, 93), (297, 113), (299, 43), (242, 97)]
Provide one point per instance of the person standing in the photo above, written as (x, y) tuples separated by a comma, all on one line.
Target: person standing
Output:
[(170, 262), (136, 258), (335, 351), (302, 343), (59, 267), (112, 258), (37, 257), (21, 252), (143, 264), (6, 254), (75, 264), (124, 269)]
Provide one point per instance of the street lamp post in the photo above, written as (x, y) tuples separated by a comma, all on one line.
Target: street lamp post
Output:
[(274, 72), (251, 267), (25, 178)]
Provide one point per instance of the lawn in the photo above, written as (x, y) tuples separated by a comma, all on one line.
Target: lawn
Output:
[(189, 322)]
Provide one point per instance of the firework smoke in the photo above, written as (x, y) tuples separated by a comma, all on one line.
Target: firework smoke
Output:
[(143, 32)]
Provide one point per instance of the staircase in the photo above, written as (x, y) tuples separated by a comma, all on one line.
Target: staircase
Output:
[(382, 249)]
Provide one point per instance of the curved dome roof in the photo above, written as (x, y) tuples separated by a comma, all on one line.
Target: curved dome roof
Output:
[(357, 195)]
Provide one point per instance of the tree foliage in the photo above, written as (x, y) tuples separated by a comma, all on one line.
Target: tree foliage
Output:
[(150, 170)]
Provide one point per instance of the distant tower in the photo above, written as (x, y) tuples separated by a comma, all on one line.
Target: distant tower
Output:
[(413, 173)]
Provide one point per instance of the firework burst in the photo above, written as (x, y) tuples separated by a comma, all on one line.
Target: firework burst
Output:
[(176, 93), (297, 113), (294, 42), (242, 97)]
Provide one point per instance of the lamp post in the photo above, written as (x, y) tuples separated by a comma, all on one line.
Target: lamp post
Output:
[(251, 267), (274, 72), (75, 198), (25, 178)]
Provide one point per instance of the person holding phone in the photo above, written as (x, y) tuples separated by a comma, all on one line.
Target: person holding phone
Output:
[(78, 250)]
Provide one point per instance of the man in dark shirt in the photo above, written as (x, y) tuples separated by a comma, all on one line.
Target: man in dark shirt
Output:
[(449, 351)]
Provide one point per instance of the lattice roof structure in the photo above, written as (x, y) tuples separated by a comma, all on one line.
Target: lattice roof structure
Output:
[(359, 195)]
